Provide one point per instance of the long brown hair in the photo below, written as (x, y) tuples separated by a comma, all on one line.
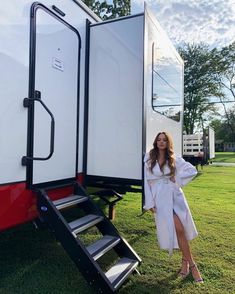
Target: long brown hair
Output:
[(169, 154)]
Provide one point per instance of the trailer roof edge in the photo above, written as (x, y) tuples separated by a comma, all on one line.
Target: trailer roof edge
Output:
[(117, 19), (88, 10)]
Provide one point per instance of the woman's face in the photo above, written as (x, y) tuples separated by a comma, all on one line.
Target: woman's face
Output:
[(162, 142)]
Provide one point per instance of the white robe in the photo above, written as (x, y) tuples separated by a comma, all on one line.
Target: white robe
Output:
[(167, 197)]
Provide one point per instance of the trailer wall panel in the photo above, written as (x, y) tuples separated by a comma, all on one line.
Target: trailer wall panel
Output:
[(115, 99)]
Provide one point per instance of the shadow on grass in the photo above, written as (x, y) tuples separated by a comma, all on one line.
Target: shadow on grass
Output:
[(139, 285), (22, 246), (135, 236), (32, 261)]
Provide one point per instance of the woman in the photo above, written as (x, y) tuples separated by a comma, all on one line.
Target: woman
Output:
[(164, 177)]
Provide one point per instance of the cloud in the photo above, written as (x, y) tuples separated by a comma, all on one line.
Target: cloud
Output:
[(209, 21)]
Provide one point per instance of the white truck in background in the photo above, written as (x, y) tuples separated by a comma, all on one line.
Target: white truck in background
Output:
[(199, 148)]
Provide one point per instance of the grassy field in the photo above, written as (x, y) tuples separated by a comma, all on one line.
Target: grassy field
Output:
[(224, 157), (33, 262)]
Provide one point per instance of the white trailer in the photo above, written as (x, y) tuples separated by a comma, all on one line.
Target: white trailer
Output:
[(199, 148), (135, 91), (80, 96), (211, 143), (45, 53), (61, 67)]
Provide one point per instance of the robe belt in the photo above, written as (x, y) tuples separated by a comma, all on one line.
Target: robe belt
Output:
[(164, 180)]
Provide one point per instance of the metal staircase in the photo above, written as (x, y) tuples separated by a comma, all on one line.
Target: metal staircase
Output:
[(86, 257)]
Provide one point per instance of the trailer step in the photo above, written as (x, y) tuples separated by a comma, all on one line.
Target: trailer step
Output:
[(102, 246), (85, 222), (120, 271), (69, 201), (84, 255)]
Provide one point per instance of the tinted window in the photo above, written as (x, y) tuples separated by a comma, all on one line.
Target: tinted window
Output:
[(167, 82)]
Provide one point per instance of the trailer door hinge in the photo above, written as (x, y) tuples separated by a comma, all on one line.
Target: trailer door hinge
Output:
[(27, 102), (25, 161)]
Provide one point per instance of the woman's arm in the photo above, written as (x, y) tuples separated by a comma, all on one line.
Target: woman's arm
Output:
[(149, 201), (185, 172)]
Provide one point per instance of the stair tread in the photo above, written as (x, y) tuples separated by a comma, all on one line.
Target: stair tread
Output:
[(120, 271), (100, 247), (117, 274), (69, 201), (85, 222)]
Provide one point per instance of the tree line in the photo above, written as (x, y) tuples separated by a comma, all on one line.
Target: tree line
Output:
[(209, 81), (107, 10)]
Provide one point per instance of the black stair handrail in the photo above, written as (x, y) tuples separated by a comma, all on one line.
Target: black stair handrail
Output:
[(28, 102)]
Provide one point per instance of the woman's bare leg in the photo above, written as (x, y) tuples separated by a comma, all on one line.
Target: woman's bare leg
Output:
[(185, 249), (182, 241)]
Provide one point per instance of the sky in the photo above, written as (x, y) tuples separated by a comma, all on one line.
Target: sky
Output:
[(193, 21)]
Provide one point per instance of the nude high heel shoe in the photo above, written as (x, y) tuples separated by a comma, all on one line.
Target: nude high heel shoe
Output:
[(193, 267), (183, 274)]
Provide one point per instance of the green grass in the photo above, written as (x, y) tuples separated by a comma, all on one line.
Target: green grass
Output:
[(224, 157), (33, 262)]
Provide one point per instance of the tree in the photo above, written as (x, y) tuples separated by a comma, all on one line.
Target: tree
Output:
[(225, 75), (200, 84), (225, 62), (223, 132), (230, 116), (109, 11)]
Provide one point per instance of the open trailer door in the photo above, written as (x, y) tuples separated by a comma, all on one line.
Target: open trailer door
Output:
[(53, 99)]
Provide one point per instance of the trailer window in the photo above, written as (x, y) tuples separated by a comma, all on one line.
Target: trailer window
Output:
[(167, 82)]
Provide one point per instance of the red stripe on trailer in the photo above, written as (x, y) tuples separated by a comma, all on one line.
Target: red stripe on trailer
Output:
[(18, 204)]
